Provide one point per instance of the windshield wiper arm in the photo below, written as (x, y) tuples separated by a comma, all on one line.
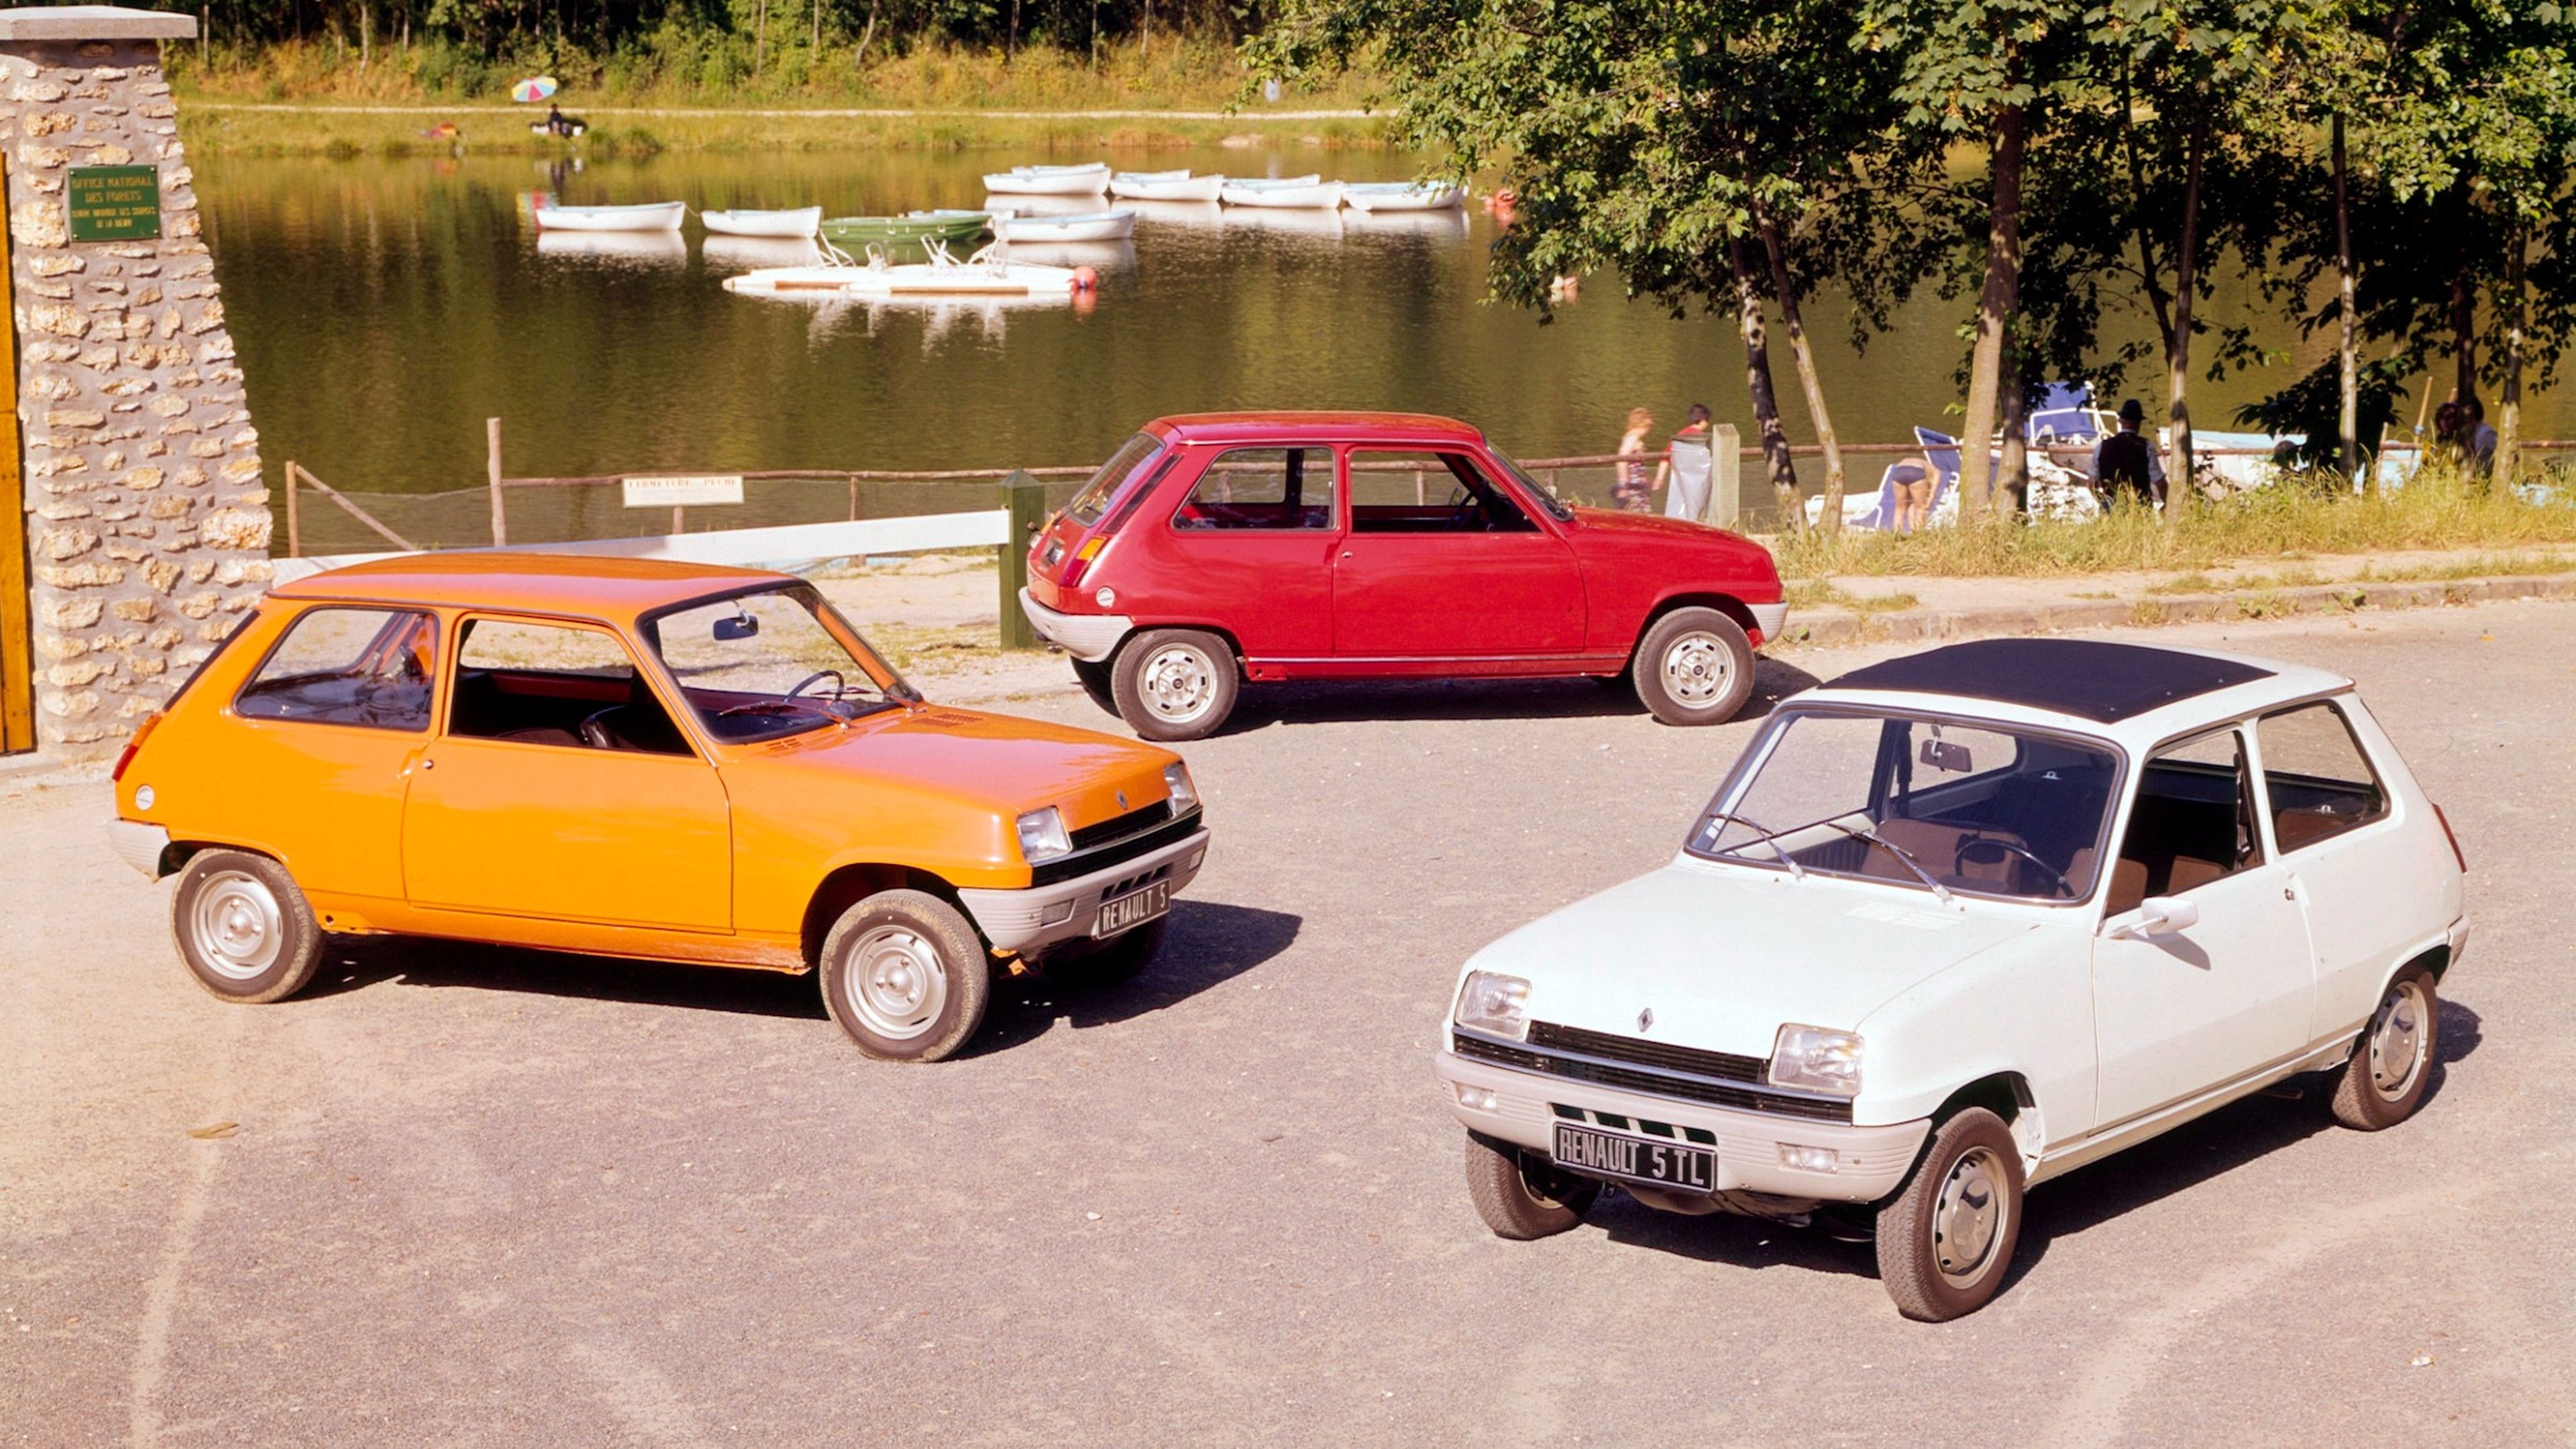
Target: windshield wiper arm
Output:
[(1900, 852), (1768, 837)]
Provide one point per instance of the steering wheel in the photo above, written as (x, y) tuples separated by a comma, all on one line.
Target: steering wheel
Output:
[(1466, 510), (1959, 857), (840, 685)]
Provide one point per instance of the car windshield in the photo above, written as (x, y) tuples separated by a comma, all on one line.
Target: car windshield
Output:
[(1937, 805), (762, 665), (1547, 498), (1092, 504)]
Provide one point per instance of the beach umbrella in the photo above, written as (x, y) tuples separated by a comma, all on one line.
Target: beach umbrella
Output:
[(532, 90)]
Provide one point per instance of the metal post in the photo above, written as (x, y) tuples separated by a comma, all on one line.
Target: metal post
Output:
[(678, 522), (1726, 476), (500, 523), (294, 526), (1024, 502)]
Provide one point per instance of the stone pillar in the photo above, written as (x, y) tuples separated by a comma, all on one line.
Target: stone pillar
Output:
[(148, 519)]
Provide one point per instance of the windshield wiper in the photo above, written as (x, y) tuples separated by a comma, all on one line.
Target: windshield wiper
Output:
[(1900, 852), (1767, 837)]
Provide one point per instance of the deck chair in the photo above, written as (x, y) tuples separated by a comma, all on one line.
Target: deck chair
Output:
[(1942, 452), (2061, 415)]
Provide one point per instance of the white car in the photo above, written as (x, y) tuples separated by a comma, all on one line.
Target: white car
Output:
[(1956, 924)]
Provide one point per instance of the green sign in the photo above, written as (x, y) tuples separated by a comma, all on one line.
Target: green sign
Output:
[(114, 203)]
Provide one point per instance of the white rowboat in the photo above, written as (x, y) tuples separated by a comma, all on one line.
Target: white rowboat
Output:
[(797, 223), (1090, 226), (1164, 186), (1294, 193), (1086, 180), (652, 216), (1402, 196)]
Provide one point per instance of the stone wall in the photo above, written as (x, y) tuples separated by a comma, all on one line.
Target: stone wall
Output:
[(148, 525)]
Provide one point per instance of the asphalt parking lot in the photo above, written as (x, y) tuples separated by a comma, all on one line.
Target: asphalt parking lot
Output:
[(486, 1196)]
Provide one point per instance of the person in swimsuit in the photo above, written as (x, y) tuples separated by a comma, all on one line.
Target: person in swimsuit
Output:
[(1631, 485), (1912, 481)]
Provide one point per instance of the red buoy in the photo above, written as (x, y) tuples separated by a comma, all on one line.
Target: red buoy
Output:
[(1085, 279)]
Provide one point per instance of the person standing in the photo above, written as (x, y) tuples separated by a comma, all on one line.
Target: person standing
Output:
[(1911, 483), (1630, 486), (1686, 467), (2124, 462), (2477, 439)]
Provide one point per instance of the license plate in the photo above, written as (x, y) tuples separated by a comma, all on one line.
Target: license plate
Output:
[(1132, 909), (1663, 1163)]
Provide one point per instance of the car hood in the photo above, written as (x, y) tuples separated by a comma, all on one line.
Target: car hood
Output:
[(1002, 761), (1648, 525), (1723, 956)]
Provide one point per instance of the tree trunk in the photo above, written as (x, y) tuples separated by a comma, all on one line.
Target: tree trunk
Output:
[(760, 39), (2150, 274), (366, 36), (1996, 303), (2464, 335), (2347, 367), (2012, 477), (1011, 41), (860, 61), (2178, 474), (1757, 381), (2508, 453), (814, 45), (1808, 383)]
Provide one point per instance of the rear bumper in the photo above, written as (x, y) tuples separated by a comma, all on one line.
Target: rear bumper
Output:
[(1031, 920), (139, 845), (1870, 1162), (1769, 618), (1087, 637)]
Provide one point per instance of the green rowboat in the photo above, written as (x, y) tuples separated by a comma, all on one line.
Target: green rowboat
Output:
[(913, 228)]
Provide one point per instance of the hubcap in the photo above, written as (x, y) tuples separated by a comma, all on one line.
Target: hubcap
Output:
[(896, 982), (1698, 670), (1968, 1220), (236, 925), (2399, 1040), (1179, 683)]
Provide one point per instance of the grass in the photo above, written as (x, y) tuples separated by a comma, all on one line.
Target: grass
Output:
[(935, 650), (2433, 512), (1806, 594)]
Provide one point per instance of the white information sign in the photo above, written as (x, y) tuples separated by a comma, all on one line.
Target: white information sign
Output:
[(683, 489)]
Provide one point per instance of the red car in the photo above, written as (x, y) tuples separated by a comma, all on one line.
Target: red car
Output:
[(1226, 547)]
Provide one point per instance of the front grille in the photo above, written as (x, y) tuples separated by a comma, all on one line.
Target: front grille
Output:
[(1101, 857), (1118, 827), (1654, 1083), (1725, 1066)]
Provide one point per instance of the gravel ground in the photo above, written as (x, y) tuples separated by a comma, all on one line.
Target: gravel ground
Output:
[(487, 1196)]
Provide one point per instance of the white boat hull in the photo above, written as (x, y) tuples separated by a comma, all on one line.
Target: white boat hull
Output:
[(1131, 186), (1095, 227), (800, 222), (655, 216), (1089, 180), (1284, 196), (1405, 198)]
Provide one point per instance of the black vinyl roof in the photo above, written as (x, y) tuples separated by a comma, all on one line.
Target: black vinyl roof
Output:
[(2088, 678)]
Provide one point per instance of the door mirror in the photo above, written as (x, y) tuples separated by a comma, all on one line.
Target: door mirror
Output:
[(2159, 916)]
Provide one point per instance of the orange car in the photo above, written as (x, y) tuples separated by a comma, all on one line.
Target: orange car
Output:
[(638, 759)]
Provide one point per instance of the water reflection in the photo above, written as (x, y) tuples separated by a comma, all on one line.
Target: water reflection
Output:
[(651, 248), (750, 253)]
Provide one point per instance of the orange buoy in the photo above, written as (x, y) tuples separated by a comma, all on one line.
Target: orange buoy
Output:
[(1085, 279)]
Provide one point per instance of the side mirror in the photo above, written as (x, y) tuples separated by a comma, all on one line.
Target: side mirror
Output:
[(2159, 916), (740, 626)]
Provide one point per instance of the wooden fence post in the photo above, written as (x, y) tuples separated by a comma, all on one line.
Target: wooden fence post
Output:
[(1024, 500), (500, 523), (294, 526), (17, 604), (1725, 476)]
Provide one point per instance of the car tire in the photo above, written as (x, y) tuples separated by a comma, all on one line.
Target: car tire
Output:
[(1113, 962), (2392, 1064), (244, 927), (1174, 684), (906, 976), (1946, 1242), (1694, 666), (1521, 1195), (1093, 676)]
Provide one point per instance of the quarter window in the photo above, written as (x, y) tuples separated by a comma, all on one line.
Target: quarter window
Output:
[(2319, 781), (368, 667), (1262, 488)]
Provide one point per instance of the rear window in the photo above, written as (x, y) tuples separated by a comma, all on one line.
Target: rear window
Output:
[(1130, 462)]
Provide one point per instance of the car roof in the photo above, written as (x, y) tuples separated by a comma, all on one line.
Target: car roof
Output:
[(1320, 427), (2136, 693), (545, 583)]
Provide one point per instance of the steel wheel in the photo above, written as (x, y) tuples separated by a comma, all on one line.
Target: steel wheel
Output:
[(2399, 1046), (896, 982), (236, 925), (1698, 670), (1178, 683), (1694, 666), (1968, 1217)]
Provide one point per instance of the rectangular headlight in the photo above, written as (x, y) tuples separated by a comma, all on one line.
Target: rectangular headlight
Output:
[(1042, 835), (1183, 790), (1491, 1002), (1814, 1059)]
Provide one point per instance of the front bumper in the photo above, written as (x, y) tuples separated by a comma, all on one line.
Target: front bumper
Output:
[(1031, 920), (1769, 618), (140, 846), (1870, 1162), (1087, 637)]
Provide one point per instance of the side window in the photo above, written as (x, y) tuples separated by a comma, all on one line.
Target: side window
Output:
[(2194, 821), (2319, 781), (367, 667), (1429, 492), (555, 684), (1262, 488)]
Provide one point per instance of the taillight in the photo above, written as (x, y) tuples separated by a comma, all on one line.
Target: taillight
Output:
[(1081, 559), (2452, 836), (141, 732)]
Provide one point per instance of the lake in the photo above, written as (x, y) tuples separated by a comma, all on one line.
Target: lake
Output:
[(384, 308)]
